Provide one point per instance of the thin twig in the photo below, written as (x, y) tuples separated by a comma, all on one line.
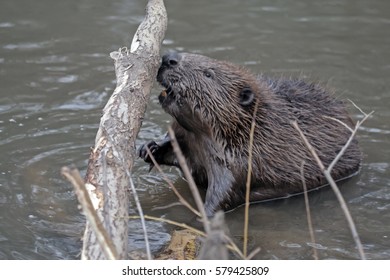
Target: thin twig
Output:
[(311, 231), (105, 242), (357, 107), (234, 247), (253, 253), (167, 206), (335, 190), (342, 151), (248, 180), (171, 186), (340, 122), (171, 222), (143, 223), (191, 182)]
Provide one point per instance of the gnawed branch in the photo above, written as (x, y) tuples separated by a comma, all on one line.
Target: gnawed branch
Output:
[(105, 242), (112, 158)]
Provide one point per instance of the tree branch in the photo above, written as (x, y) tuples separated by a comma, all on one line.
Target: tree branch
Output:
[(113, 155)]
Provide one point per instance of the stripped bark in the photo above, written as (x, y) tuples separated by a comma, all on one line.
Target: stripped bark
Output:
[(112, 157)]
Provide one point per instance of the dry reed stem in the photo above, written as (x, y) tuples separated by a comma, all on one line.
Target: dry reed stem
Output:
[(171, 222), (143, 223), (253, 253), (332, 183), (339, 155), (105, 242), (248, 181), (190, 180), (308, 214), (182, 200)]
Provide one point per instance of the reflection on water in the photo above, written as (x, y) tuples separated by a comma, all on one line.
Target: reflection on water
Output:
[(56, 76)]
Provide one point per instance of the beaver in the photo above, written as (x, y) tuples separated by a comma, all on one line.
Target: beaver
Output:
[(213, 103)]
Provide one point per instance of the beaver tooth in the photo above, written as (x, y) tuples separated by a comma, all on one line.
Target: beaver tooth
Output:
[(169, 90)]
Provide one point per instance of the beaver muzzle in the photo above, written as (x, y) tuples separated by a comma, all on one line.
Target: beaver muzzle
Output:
[(165, 94)]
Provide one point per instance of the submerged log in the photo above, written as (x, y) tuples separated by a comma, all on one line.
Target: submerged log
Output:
[(111, 160)]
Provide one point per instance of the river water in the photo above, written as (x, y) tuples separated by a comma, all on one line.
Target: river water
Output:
[(56, 75)]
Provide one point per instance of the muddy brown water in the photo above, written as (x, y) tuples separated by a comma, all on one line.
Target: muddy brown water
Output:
[(56, 75)]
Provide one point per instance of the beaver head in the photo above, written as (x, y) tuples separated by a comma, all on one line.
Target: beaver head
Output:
[(208, 96)]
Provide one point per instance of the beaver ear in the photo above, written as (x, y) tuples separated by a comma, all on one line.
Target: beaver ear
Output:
[(246, 96)]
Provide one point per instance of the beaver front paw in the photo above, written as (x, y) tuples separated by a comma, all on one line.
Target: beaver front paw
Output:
[(153, 148), (143, 153)]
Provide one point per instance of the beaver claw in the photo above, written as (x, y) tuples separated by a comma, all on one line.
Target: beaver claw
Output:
[(142, 152)]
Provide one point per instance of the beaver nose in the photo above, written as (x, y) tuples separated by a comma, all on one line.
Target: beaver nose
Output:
[(171, 59)]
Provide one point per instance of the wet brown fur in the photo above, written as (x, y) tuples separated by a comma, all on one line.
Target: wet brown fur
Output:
[(212, 103)]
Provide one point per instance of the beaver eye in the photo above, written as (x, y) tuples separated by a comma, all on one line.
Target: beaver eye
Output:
[(208, 73), (246, 96)]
